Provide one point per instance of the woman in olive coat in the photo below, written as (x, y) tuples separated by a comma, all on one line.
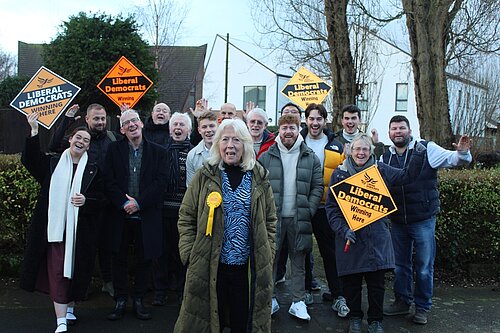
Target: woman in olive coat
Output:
[(230, 256)]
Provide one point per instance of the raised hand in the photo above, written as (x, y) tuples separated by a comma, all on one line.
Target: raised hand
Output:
[(374, 135), (72, 110), (33, 122), (201, 106), (249, 106), (463, 144)]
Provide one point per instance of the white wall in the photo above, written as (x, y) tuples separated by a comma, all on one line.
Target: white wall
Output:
[(243, 71), (391, 68)]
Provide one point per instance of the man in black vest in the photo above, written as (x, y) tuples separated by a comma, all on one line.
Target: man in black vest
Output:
[(413, 224), (135, 173)]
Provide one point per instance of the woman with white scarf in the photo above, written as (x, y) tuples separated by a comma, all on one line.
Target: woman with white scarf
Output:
[(58, 259)]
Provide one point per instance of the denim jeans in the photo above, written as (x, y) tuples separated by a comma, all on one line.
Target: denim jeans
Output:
[(406, 238)]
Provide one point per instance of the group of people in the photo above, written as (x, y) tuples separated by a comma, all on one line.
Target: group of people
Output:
[(211, 203)]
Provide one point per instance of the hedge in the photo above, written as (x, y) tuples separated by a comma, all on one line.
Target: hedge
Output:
[(467, 229), (18, 193)]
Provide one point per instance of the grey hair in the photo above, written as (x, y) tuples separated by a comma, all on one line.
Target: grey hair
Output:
[(365, 138), (259, 112), (178, 115), (127, 112), (241, 130)]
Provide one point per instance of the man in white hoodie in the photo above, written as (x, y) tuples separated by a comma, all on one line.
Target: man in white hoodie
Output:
[(297, 196)]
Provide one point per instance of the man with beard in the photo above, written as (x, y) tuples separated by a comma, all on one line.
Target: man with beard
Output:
[(330, 153), (95, 120), (207, 125), (295, 176), (351, 119), (413, 224), (135, 173)]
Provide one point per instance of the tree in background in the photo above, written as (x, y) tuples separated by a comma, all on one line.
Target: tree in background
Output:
[(438, 34), (87, 47), (442, 35), (330, 37), (162, 22), (7, 65), (10, 87)]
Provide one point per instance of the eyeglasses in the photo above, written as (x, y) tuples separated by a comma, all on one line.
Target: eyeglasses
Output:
[(363, 149), (127, 122)]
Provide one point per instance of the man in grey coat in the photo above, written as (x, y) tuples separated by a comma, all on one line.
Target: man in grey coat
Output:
[(297, 196)]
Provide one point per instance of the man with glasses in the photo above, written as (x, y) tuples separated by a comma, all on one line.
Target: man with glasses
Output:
[(135, 173)]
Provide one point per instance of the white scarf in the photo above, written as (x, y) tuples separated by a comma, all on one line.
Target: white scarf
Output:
[(63, 216)]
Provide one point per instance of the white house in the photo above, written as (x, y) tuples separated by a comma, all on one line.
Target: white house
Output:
[(388, 89), (248, 80)]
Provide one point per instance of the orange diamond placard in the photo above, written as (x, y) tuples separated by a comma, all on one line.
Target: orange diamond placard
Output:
[(363, 198), (305, 88), (46, 93), (124, 83)]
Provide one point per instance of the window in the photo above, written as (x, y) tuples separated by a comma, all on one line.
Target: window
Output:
[(362, 100), (401, 96), (256, 94)]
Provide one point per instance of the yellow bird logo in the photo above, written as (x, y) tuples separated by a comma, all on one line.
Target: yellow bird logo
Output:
[(42, 81), (123, 70)]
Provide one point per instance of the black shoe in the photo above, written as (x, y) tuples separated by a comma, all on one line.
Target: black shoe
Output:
[(121, 305), (327, 296), (160, 299), (140, 310)]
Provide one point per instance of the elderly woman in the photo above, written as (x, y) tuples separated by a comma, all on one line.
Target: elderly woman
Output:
[(371, 253), (257, 125), (59, 257), (227, 225), (168, 271)]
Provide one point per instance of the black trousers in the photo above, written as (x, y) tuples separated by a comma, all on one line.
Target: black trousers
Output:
[(132, 234), (168, 271), (232, 296), (352, 290), (325, 238)]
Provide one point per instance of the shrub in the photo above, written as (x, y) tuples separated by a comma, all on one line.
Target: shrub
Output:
[(18, 193), (468, 227)]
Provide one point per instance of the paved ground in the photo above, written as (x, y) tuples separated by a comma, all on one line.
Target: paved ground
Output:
[(455, 310)]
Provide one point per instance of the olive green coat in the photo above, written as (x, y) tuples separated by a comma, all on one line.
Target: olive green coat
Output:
[(201, 253)]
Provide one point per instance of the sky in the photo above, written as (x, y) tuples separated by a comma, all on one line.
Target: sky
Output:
[(37, 21)]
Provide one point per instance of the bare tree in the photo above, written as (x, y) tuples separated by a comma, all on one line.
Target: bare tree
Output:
[(441, 33), (7, 65), (475, 104), (162, 21), (327, 36)]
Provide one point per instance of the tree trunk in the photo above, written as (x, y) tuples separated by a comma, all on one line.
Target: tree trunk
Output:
[(428, 25), (341, 61)]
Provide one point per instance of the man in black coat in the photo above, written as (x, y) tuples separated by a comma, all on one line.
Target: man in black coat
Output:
[(135, 172)]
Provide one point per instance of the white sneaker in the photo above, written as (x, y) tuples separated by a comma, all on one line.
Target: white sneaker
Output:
[(340, 306), (274, 306), (299, 310), (282, 280), (308, 299)]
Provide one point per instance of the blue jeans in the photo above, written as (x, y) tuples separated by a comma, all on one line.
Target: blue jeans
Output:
[(418, 236)]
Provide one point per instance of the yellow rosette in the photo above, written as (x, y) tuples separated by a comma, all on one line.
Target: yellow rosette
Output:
[(214, 200)]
